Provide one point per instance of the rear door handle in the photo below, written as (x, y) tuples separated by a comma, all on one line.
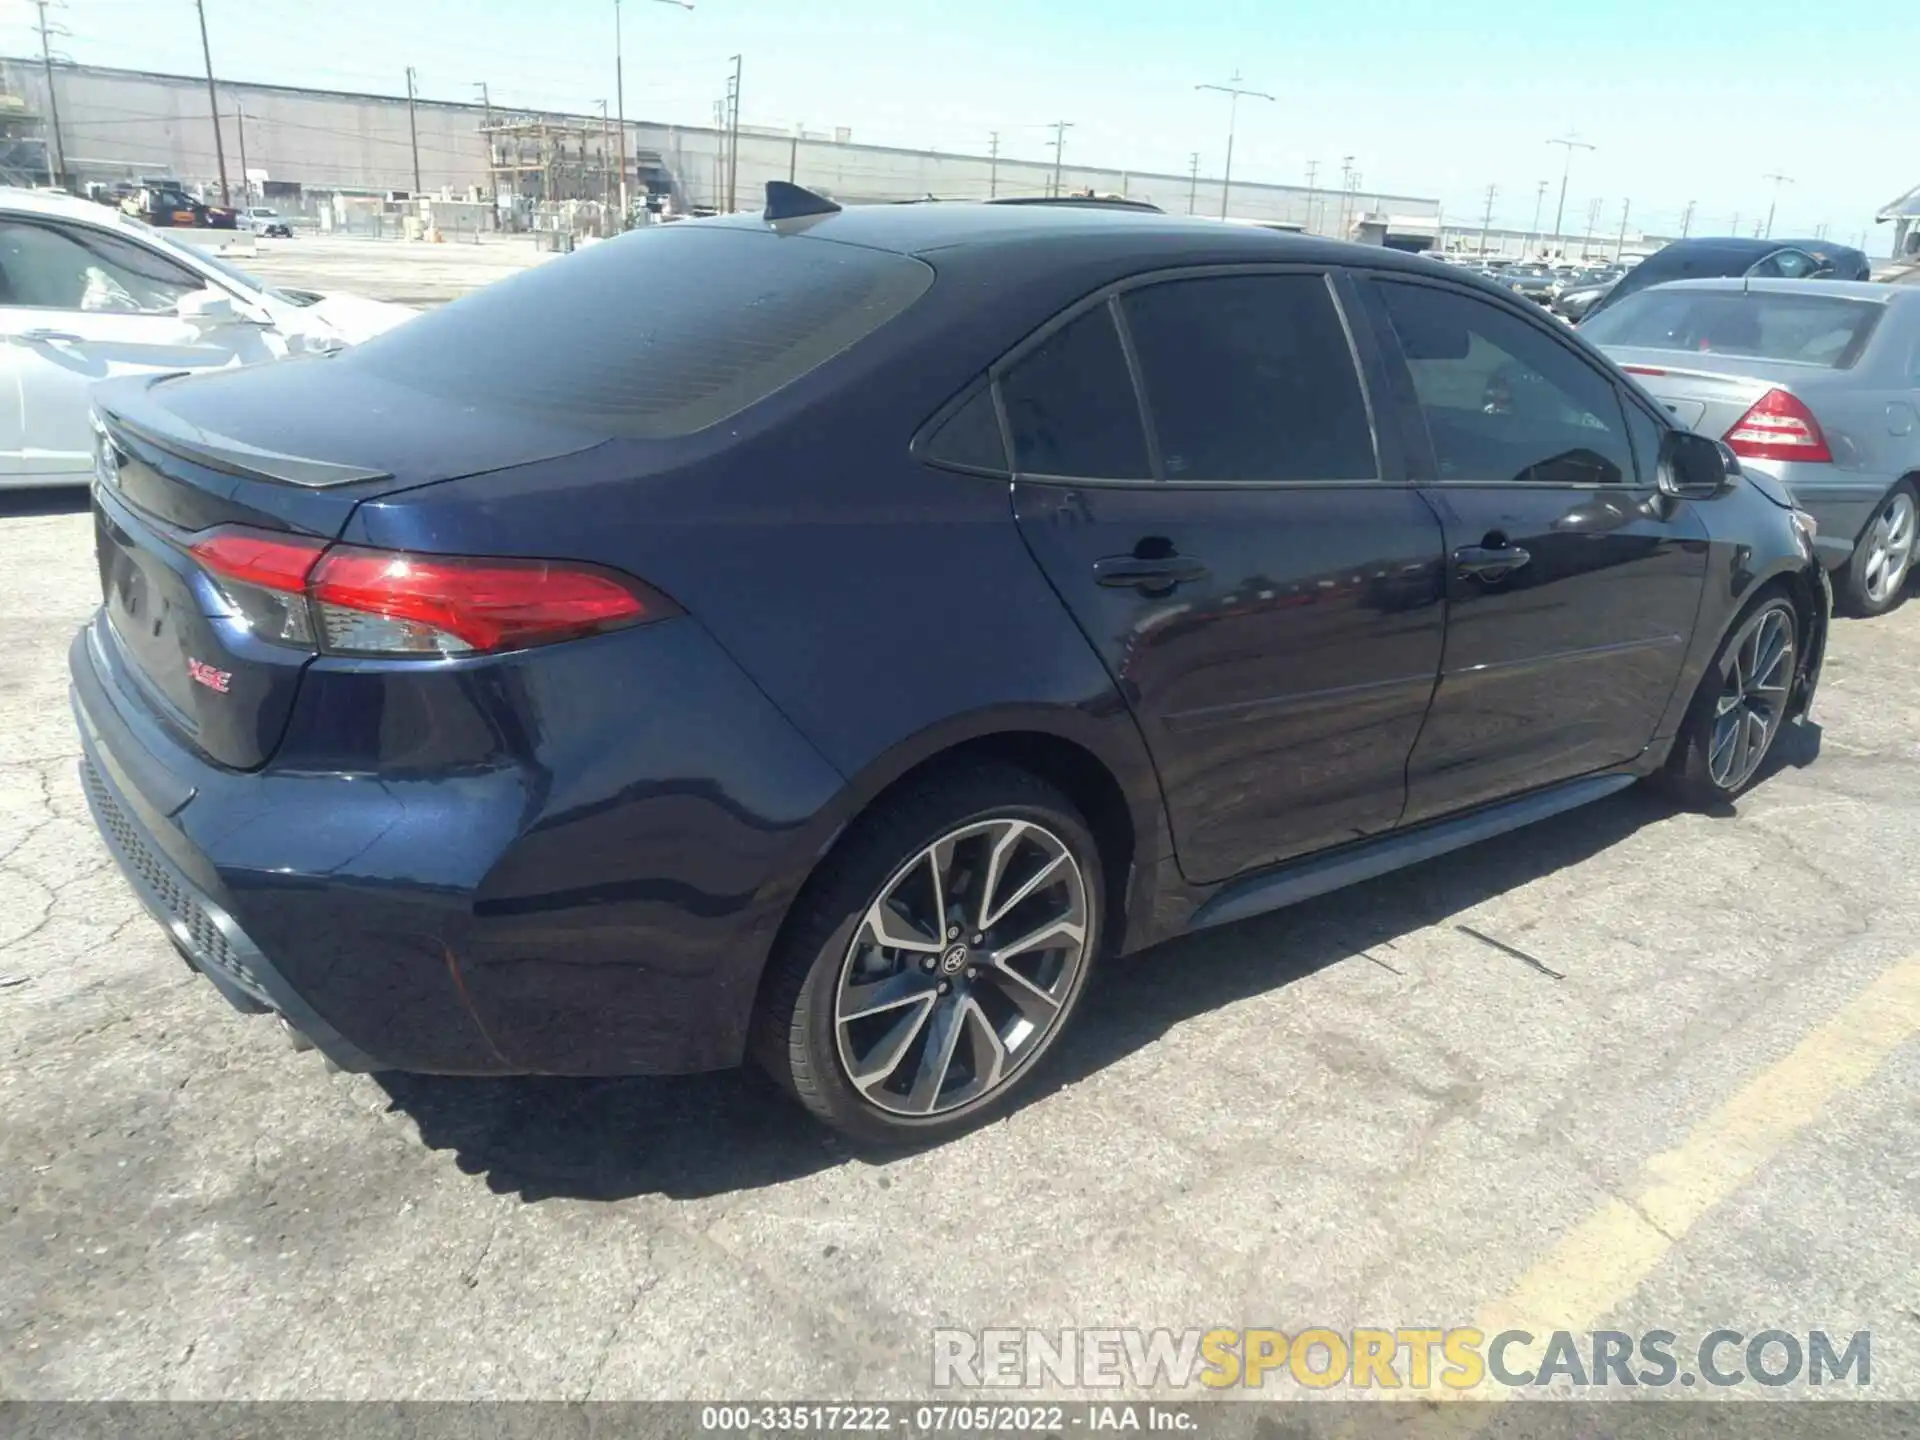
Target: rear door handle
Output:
[(1489, 561), (1161, 573), (49, 337)]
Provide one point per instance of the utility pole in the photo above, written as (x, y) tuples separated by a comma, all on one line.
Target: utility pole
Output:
[(1193, 179), (1560, 215), (57, 156), (213, 103), (1313, 169), (1686, 220), (1778, 181), (1734, 229), (1060, 128), (606, 157), (1621, 244), (733, 137), (413, 133), (1593, 223), (1539, 199), (793, 155), (486, 130), (993, 163), (1233, 90), (1486, 218), (1346, 184), (240, 122)]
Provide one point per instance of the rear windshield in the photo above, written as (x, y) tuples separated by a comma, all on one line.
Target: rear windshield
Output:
[(659, 333), (1805, 329)]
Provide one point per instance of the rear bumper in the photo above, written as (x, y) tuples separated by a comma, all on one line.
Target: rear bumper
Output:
[(207, 937), (1842, 501), (601, 902)]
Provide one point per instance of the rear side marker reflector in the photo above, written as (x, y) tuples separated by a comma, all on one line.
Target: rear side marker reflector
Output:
[(348, 599)]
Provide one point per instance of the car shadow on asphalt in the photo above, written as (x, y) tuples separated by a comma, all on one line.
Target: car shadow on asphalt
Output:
[(44, 500), (695, 1136)]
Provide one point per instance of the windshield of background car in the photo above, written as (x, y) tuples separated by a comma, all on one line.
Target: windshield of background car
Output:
[(1825, 330), (658, 334)]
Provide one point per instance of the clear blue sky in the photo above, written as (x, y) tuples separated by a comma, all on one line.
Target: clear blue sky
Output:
[(1685, 99)]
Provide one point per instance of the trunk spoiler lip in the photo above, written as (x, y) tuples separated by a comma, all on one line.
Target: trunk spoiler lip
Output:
[(135, 412)]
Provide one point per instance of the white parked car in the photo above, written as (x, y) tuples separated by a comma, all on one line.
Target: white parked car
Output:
[(264, 221), (87, 293)]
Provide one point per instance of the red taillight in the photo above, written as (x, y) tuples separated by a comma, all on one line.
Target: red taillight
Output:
[(352, 600), (259, 557), (1779, 427), (1642, 370), (385, 602)]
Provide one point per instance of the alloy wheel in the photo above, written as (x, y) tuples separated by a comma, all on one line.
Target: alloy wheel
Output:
[(1889, 546), (962, 967), (1753, 697)]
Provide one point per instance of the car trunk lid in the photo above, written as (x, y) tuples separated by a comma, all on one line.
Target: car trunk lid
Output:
[(176, 461), (1700, 397)]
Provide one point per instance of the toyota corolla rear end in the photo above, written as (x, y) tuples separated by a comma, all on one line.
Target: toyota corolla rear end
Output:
[(460, 806)]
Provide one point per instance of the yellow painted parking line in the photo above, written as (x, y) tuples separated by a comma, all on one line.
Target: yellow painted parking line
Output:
[(1598, 1265)]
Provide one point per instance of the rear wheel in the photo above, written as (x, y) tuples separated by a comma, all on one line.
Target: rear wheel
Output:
[(1739, 710), (1883, 558), (937, 959)]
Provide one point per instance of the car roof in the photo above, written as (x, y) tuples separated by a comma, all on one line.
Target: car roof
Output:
[(51, 202), (925, 227), (1869, 290)]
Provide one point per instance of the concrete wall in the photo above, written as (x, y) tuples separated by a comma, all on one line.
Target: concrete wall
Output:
[(119, 123)]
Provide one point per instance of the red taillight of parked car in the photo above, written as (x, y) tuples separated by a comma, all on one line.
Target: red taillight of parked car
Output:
[(1779, 426), (353, 600)]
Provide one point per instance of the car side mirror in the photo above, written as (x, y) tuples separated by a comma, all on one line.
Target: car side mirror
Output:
[(207, 307), (1696, 468)]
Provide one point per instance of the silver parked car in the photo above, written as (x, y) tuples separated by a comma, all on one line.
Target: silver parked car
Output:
[(1816, 382)]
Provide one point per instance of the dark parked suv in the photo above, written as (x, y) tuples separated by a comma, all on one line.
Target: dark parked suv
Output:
[(821, 637)]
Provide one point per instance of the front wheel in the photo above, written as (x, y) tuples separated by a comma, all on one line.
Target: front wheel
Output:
[(936, 958), (1740, 708), (1873, 579)]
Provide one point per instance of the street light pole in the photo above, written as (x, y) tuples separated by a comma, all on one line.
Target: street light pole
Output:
[(1233, 90), (1539, 199), (620, 98), (1560, 215)]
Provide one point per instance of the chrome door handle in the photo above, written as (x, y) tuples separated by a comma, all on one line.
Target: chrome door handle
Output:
[(1491, 562), (1133, 572), (48, 337)]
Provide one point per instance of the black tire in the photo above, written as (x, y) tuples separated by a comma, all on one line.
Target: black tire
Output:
[(1854, 590), (1697, 771), (796, 1037)]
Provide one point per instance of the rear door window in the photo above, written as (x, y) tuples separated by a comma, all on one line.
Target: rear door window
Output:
[(657, 334), (1251, 377), (1071, 407)]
